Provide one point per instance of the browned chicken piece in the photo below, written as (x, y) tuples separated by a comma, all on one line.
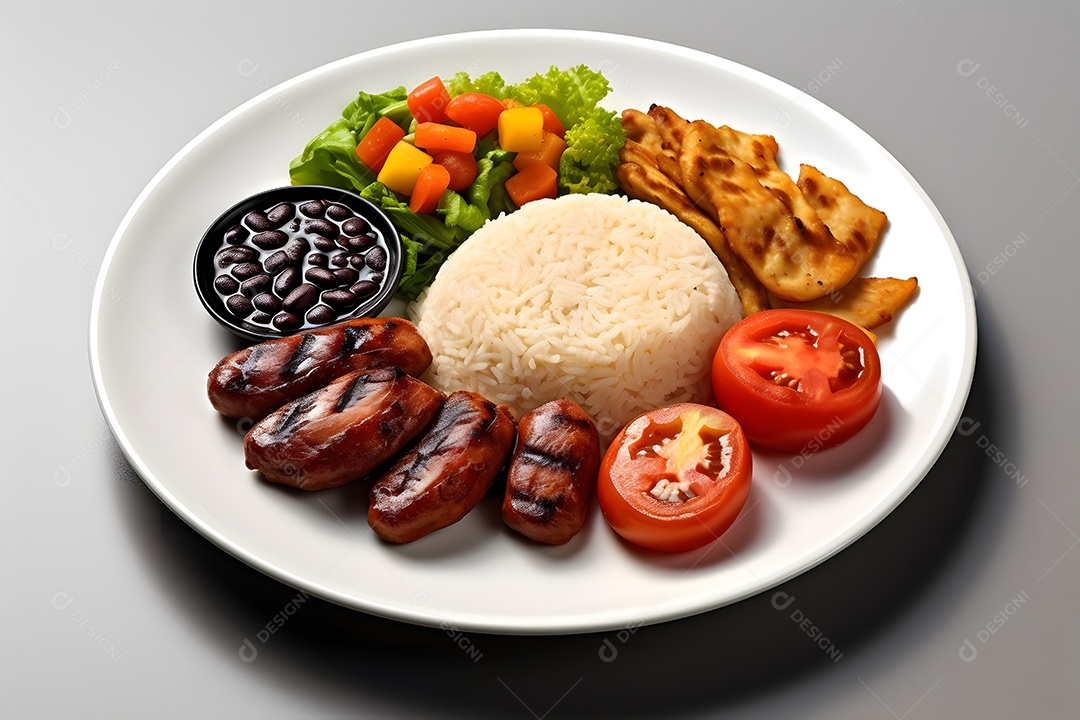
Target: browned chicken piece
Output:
[(641, 178), (342, 432), (765, 217), (867, 302), (552, 473), (851, 221), (448, 472), (252, 382)]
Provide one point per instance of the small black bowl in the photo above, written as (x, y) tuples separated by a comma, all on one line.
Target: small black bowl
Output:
[(296, 258)]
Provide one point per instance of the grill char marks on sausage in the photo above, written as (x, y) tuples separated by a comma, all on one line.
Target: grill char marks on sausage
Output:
[(447, 473), (342, 432), (253, 382), (552, 473)]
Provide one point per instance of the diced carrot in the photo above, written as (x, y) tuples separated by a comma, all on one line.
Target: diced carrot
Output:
[(521, 129), (402, 167), (550, 152), (533, 183), (552, 123), (462, 167), (437, 137), (378, 142), (476, 111), (428, 100), (430, 185)]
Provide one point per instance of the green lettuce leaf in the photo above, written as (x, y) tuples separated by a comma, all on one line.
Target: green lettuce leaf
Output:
[(330, 157), (592, 154), (571, 94), (490, 83)]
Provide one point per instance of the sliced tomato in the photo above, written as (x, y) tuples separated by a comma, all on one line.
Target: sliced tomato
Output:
[(797, 380), (675, 478)]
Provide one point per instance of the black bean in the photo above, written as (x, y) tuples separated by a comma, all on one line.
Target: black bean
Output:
[(296, 250), (236, 234), (258, 221), (321, 277), (287, 321), (364, 288), (376, 258), (317, 259), (313, 209), (226, 285), (357, 261), (301, 298), (287, 281), (346, 276), (341, 299), (281, 213), (339, 212), (340, 260), (324, 243), (267, 302), (237, 254), (276, 262), (239, 306), (270, 240), (321, 227), (343, 240), (355, 226), (261, 318), (376, 277), (245, 270), (361, 242), (254, 285), (321, 314)]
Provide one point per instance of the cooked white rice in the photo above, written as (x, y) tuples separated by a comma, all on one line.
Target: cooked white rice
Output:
[(612, 303)]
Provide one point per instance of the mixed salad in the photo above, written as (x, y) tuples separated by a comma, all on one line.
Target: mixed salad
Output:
[(446, 156)]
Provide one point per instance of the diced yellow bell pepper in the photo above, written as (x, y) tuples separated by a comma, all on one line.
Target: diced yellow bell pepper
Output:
[(403, 166), (521, 129), (550, 152)]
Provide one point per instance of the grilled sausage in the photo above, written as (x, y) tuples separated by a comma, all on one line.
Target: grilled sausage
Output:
[(447, 473), (255, 381), (552, 472), (342, 432)]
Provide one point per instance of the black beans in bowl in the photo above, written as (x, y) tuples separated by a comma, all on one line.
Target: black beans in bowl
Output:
[(295, 258)]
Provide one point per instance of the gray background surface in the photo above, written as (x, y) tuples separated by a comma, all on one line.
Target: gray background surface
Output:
[(962, 603)]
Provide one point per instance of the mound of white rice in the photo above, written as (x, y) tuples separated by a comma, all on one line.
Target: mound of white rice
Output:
[(612, 303)]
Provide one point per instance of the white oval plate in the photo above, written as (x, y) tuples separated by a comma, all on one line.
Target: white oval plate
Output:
[(152, 345)]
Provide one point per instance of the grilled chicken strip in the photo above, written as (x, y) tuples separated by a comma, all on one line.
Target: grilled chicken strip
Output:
[(447, 473), (552, 472), (342, 432), (257, 380)]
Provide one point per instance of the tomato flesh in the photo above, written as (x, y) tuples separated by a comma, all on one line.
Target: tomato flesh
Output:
[(797, 380), (675, 478)]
